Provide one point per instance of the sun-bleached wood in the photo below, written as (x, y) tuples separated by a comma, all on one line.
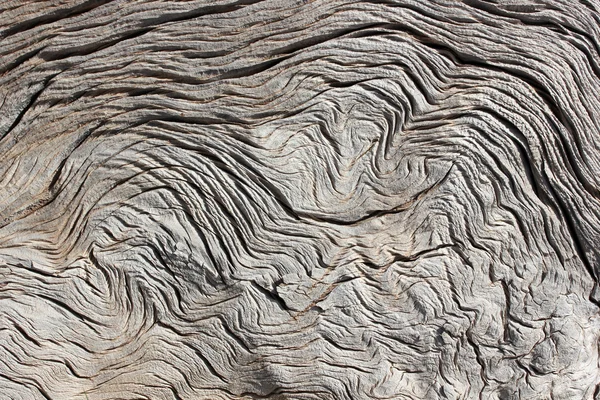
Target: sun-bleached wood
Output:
[(309, 199)]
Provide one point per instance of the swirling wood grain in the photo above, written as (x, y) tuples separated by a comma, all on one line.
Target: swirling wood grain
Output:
[(299, 199)]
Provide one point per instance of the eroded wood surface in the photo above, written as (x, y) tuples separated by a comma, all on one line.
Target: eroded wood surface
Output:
[(299, 199)]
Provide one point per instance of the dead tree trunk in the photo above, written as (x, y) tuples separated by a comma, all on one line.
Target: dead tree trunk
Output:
[(298, 199)]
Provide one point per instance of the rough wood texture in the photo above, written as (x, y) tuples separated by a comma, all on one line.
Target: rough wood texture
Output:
[(386, 199)]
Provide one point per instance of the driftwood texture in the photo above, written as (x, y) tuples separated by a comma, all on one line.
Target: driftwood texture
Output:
[(385, 199)]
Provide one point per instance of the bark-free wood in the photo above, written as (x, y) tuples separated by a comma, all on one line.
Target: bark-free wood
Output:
[(299, 199)]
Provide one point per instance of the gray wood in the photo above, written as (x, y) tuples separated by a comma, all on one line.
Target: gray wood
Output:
[(318, 199)]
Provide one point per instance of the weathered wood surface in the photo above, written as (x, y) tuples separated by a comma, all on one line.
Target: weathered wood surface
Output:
[(386, 199)]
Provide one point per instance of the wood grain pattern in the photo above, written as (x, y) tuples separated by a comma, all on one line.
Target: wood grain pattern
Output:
[(299, 199)]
